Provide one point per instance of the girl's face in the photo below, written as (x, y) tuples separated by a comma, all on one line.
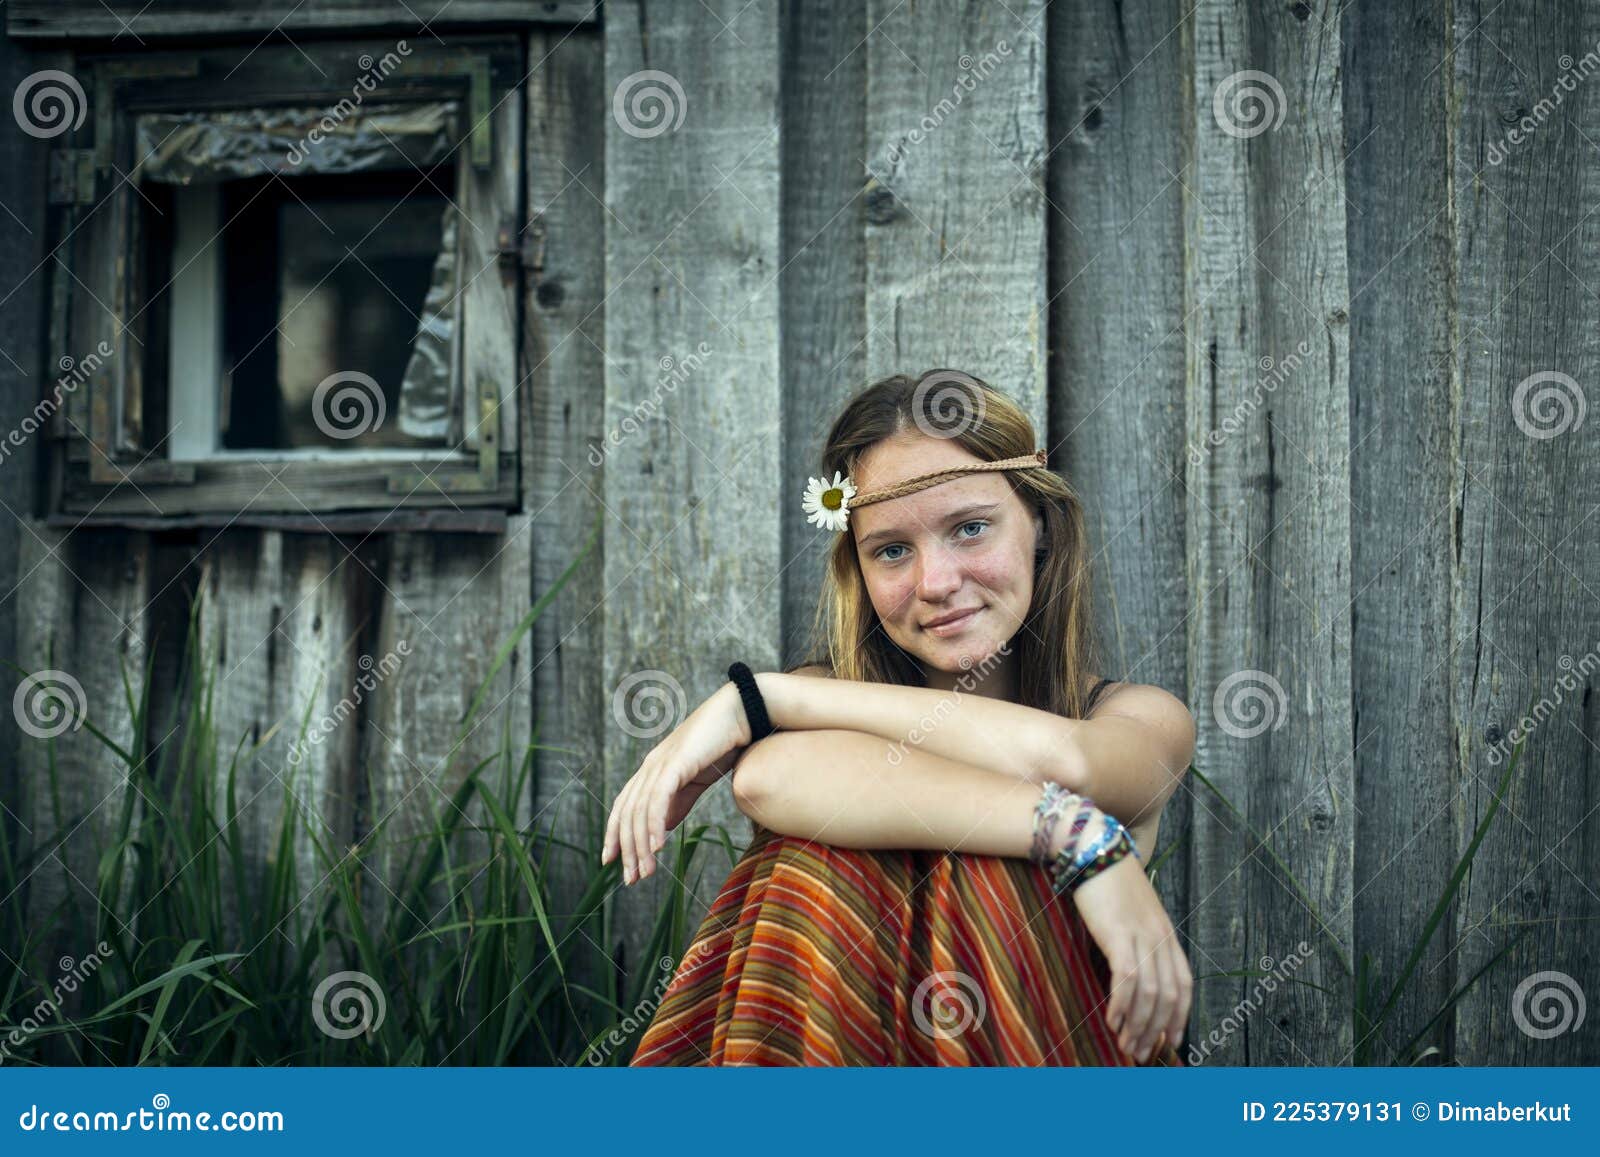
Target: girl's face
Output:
[(961, 548)]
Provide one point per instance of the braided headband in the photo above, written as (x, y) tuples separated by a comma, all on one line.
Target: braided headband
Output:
[(828, 504)]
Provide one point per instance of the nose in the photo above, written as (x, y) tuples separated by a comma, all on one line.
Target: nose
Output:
[(939, 576)]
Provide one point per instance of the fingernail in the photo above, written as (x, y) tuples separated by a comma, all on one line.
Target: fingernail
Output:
[(655, 843)]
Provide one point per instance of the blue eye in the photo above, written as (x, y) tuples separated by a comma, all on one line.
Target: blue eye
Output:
[(981, 524)]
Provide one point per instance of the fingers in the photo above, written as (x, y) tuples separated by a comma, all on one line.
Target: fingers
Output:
[(625, 844), (1143, 985), (1160, 974), (646, 860), (636, 827), (1179, 1023), (612, 845), (1160, 988)]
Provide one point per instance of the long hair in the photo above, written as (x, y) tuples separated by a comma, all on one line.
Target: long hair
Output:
[(1055, 647)]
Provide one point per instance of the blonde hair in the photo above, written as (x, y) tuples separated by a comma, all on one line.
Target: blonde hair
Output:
[(1055, 646)]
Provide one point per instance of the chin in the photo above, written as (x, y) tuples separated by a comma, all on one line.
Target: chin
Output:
[(956, 656)]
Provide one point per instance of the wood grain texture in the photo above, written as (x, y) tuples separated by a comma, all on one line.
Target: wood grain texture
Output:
[(1117, 137), (692, 535), (824, 287), (1526, 615), (563, 400), (24, 370), (1402, 495), (81, 631), (955, 200), (90, 18), (1268, 520), (278, 637)]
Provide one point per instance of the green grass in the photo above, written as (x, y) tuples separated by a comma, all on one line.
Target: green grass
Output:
[(497, 976), (1370, 1003)]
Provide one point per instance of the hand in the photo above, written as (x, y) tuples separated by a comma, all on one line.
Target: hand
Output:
[(1151, 984), (678, 770)]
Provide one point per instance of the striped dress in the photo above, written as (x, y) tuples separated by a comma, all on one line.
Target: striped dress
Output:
[(818, 955)]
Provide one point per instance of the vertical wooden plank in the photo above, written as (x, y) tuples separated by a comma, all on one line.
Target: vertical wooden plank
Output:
[(955, 203), (824, 326), (445, 603), (25, 376), (1117, 355), (563, 443), (86, 593), (1526, 615), (488, 301), (453, 600), (278, 642), (1268, 518), (693, 526), (1401, 494)]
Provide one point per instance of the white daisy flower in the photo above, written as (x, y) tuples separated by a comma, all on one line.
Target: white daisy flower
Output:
[(827, 504)]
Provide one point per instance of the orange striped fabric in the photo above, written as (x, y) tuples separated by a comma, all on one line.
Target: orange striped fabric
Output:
[(817, 955)]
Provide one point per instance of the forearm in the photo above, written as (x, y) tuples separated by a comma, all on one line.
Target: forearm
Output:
[(840, 787), (991, 734)]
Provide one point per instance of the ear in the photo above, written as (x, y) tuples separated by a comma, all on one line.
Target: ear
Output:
[(1038, 531)]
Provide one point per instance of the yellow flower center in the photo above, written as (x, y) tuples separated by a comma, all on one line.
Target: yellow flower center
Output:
[(833, 499)]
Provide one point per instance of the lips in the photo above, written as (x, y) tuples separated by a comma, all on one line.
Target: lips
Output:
[(945, 624)]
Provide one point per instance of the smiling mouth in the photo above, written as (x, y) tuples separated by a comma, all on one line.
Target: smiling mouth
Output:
[(949, 625)]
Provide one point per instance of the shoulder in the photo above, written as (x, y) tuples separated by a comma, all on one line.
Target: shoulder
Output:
[(1154, 706)]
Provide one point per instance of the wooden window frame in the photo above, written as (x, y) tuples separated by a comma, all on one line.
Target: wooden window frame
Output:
[(101, 467)]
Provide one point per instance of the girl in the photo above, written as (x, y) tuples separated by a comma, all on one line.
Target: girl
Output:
[(951, 814)]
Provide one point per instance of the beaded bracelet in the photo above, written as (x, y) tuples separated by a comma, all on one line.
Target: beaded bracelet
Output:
[(1074, 866), (1054, 801)]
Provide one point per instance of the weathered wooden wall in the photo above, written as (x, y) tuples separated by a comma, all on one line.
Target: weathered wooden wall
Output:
[(1350, 295)]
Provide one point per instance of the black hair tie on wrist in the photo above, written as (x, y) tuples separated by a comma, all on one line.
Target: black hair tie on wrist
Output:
[(755, 707)]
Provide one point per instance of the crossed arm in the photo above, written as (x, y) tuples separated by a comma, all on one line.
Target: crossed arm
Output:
[(855, 742)]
